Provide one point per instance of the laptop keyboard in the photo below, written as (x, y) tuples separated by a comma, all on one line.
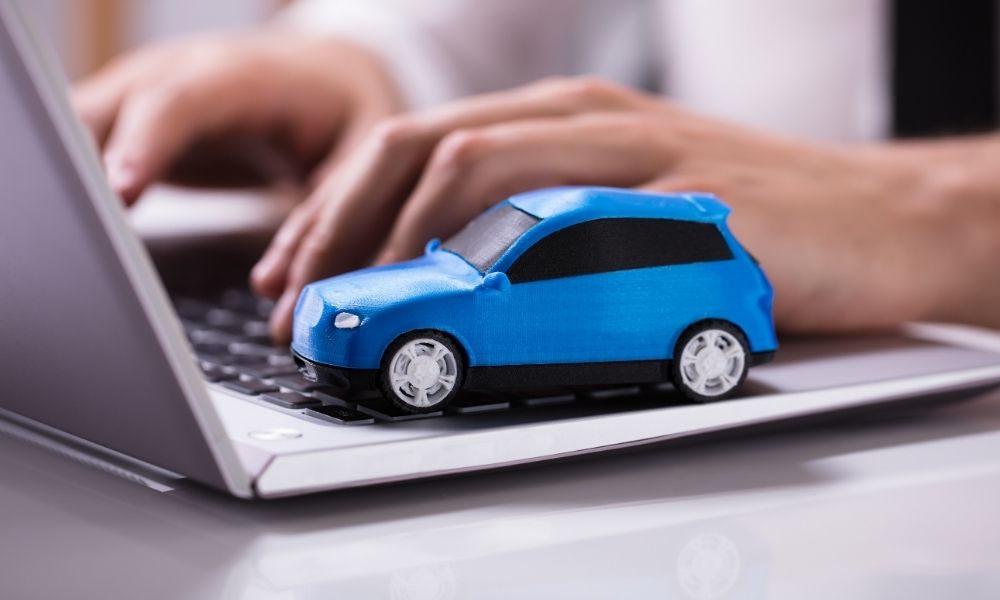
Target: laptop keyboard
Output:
[(230, 338), (231, 343)]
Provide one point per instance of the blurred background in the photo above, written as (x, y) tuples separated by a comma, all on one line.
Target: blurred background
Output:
[(89, 32)]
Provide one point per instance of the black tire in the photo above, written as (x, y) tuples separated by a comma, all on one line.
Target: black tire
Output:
[(452, 364), (677, 375)]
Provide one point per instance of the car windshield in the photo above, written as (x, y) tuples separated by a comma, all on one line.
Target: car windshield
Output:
[(487, 237)]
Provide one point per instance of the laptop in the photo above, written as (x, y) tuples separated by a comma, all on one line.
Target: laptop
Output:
[(104, 363)]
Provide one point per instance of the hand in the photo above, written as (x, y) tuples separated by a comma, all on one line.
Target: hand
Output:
[(850, 236), (297, 92)]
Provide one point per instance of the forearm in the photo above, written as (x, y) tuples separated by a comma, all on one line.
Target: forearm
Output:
[(950, 194)]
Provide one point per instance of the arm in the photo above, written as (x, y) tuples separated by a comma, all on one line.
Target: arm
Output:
[(313, 82), (950, 191), (298, 94), (853, 237)]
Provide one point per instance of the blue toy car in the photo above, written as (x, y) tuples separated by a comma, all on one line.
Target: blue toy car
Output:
[(573, 286)]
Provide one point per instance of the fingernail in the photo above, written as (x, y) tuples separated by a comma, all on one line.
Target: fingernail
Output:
[(260, 274), (122, 175)]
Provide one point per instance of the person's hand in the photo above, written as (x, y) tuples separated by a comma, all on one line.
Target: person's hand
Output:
[(848, 235), (297, 93)]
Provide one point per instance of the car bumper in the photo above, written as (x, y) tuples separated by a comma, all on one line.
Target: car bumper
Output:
[(353, 380)]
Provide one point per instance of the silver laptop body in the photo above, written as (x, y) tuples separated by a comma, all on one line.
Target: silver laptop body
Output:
[(95, 361)]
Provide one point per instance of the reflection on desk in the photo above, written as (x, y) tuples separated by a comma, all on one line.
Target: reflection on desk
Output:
[(900, 504)]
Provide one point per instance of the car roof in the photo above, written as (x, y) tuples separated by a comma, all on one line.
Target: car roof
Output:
[(585, 203)]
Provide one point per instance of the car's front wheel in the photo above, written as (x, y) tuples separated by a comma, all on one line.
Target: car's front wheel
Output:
[(422, 371), (710, 361)]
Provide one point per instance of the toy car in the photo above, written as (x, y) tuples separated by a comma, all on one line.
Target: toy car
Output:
[(573, 286)]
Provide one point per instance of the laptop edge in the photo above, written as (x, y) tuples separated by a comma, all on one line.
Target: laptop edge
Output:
[(42, 68)]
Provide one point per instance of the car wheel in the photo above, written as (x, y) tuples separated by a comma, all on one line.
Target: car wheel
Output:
[(710, 361), (422, 371)]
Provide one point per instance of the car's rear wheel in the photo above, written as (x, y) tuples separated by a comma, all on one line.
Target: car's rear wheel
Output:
[(711, 360), (422, 371)]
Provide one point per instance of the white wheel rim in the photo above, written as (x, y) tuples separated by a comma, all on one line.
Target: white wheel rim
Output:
[(423, 372), (712, 362)]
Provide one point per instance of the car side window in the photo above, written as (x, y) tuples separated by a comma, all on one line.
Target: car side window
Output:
[(604, 245)]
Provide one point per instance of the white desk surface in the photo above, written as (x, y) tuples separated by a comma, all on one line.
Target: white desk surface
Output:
[(903, 505)]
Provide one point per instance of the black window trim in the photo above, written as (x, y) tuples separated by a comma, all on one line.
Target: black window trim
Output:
[(713, 248)]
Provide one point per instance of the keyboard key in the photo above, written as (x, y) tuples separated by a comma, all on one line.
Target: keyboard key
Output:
[(467, 409), (386, 411), (260, 340), (333, 397), (244, 301), (232, 360), (231, 335), (250, 387), (339, 415), (216, 373), (257, 329), (190, 325), (546, 400), (290, 400), (265, 306), (192, 309), (210, 347), (281, 360), (267, 371), (245, 349), (615, 393), (239, 301), (220, 317), (200, 335), (297, 383)]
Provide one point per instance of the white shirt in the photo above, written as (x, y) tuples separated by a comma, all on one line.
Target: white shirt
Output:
[(812, 68)]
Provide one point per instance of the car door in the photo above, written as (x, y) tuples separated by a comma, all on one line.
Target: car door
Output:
[(601, 291)]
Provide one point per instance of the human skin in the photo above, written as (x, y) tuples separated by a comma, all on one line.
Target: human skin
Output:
[(853, 237), (310, 98)]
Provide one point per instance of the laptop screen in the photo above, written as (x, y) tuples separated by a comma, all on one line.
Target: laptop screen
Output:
[(77, 350)]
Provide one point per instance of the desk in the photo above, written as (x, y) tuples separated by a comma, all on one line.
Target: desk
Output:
[(898, 505)]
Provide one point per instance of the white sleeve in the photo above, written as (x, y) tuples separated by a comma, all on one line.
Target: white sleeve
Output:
[(442, 49)]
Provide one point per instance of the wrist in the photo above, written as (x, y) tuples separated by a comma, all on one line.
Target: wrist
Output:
[(947, 210)]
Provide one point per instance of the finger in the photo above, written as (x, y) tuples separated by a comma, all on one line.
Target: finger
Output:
[(684, 182), (394, 154), (340, 232), (549, 98), (477, 168), (353, 211), (358, 128), (555, 97), (157, 122), (375, 181), (96, 103), (98, 97), (153, 127), (269, 276)]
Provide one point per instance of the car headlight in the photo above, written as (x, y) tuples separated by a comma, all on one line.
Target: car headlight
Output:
[(346, 320)]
